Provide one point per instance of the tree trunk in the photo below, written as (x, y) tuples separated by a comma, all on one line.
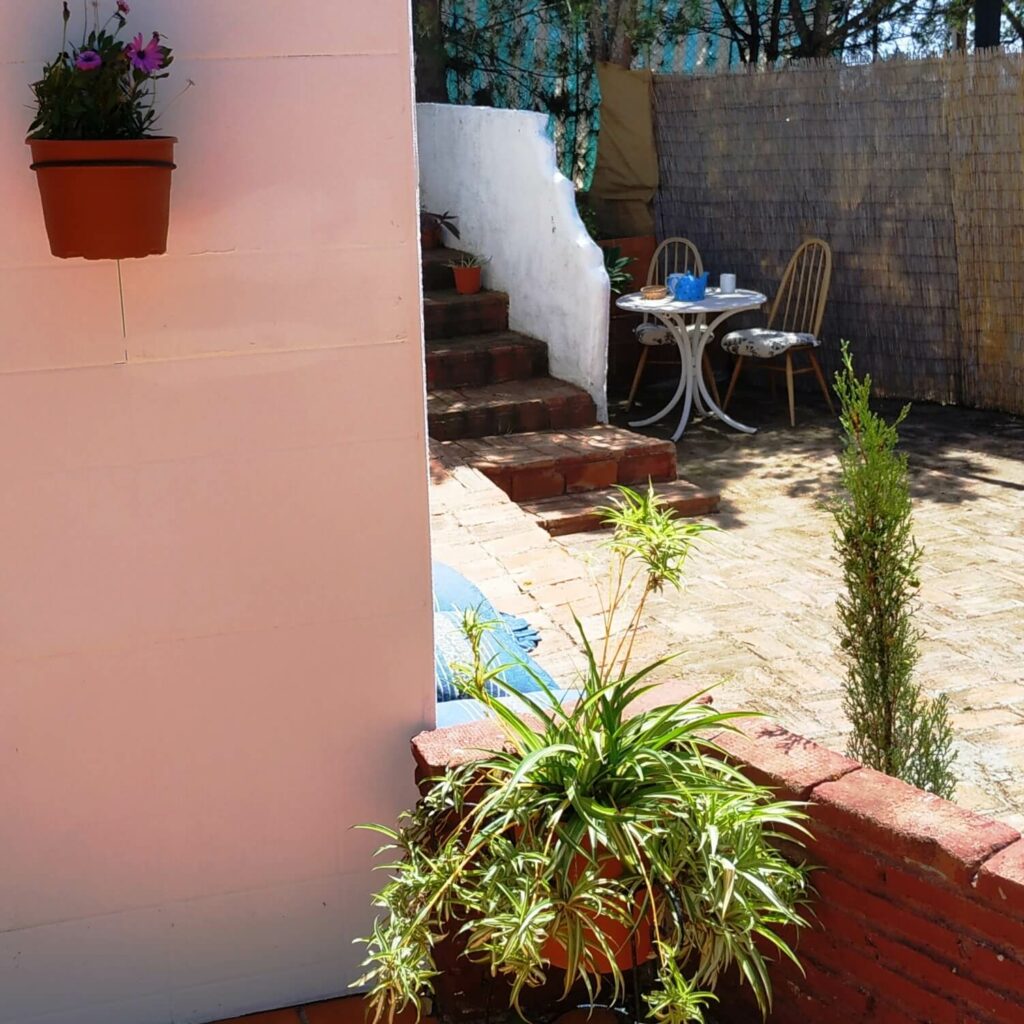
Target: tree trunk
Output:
[(429, 48), (987, 17)]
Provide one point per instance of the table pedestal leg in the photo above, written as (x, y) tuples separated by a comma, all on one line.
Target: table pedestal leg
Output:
[(685, 380), (689, 357), (711, 407), (691, 388)]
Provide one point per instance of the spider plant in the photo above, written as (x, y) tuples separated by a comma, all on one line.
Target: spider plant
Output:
[(468, 261), (595, 820)]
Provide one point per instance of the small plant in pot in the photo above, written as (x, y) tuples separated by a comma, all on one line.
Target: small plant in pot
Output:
[(104, 179), (467, 273), (433, 227), (616, 267), (601, 834)]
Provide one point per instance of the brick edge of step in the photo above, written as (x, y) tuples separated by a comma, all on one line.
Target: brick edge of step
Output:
[(434, 270), (580, 512), (549, 464), (446, 314), (480, 360), (508, 409)]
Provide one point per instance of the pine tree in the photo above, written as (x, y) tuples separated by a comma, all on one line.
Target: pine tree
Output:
[(896, 729)]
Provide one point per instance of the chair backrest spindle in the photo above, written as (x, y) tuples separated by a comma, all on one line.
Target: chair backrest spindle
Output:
[(799, 304), (674, 256)]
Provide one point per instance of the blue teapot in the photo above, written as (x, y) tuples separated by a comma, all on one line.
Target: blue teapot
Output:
[(686, 287)]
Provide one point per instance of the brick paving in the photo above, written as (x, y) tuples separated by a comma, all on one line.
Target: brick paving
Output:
[(478, 530), (758, 613), (757, 616)]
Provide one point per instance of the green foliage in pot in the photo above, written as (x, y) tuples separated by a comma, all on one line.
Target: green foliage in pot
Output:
[(435, 222), (467, 262), (615, 265), (512, 853), (101, 87)]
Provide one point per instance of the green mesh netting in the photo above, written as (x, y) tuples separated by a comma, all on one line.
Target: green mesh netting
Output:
[(539, 55), (528, 55)]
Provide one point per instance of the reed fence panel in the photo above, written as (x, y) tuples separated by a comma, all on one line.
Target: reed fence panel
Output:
[(912, 170)]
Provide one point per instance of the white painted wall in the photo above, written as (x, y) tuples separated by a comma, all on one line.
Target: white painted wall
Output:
[(496, 169), (215, 611)]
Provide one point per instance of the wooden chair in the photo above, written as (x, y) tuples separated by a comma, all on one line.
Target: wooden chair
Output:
[(673, 256), (794, 322)]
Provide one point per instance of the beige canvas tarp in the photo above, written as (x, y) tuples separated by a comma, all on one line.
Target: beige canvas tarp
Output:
[(626, 175)]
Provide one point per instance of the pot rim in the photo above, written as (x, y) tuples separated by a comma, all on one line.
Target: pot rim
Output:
[(110, 142)]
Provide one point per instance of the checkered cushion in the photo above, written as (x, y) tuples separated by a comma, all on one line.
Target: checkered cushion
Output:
[(763, 343)]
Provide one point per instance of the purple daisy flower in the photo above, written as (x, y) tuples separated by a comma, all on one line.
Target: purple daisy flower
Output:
[(88, 60), (124, 7), (148, 58)]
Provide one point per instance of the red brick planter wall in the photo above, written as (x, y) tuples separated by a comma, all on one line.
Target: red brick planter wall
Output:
[(919, 915)]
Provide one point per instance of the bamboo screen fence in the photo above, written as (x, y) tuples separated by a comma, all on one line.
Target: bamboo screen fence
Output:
[(912, 170)]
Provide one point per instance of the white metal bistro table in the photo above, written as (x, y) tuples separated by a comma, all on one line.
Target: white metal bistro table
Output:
[(705, 316)]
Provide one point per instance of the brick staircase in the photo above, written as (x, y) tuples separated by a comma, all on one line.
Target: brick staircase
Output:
[(491, 404)]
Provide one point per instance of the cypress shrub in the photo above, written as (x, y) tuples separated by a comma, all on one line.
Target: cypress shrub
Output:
[(896, 729)]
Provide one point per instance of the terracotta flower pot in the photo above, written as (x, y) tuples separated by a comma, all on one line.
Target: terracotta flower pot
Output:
[(430, 236), (617, 934), (467, 280), (105, 199)]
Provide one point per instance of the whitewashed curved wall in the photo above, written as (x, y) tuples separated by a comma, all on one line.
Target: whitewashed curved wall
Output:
[(496, 170)]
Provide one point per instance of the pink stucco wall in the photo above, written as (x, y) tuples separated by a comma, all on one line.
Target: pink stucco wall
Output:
[(214, 593)]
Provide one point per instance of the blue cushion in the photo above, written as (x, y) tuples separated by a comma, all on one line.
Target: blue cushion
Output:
[(508, 643)]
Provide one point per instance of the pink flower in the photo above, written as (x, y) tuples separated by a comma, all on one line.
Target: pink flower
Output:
[(146, 58), (124, 7), (88, 60)]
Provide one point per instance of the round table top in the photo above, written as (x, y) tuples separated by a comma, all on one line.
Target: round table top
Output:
[(713, 302)]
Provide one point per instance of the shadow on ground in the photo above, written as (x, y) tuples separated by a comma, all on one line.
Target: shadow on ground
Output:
[(954, 454)]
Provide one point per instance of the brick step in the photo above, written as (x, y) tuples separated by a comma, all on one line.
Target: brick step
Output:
[(437, 275), (580, 513), (479, 359), (447, 314), (531, 466), (514, 407)]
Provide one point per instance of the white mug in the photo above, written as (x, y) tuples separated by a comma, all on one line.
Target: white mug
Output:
[(727, 285)]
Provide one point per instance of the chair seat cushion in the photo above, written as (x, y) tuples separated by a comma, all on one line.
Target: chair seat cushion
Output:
[(653, 334), (657, 334), (763, 342)]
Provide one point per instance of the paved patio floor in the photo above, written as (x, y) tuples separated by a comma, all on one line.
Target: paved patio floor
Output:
[(757, 616), (758, 613)]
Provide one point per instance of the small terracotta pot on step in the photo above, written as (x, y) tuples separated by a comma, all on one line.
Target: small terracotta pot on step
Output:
[(467, 280), (430, 237), (105, 199)]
